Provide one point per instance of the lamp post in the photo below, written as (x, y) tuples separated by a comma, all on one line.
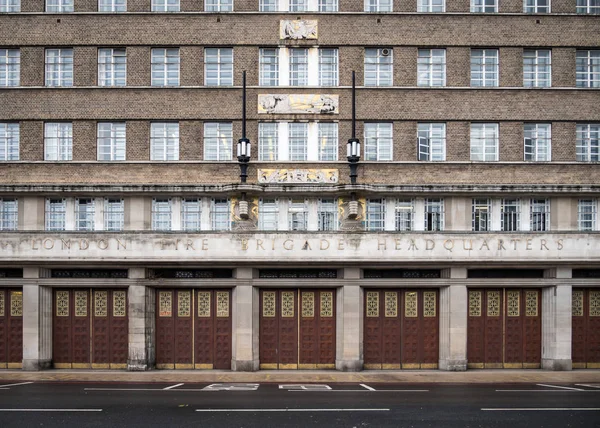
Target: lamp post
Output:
[(243, 152), (353, 153)]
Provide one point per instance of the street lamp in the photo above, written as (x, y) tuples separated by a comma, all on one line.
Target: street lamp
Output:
[(353, 149), (243, 152), (243, 155), (353, 152)]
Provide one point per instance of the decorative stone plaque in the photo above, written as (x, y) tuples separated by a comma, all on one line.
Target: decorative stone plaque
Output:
[(298, 29), (298, 176), (298, 104)]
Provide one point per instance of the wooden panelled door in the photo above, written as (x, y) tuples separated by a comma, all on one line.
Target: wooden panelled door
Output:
[(586, 328), (11, 328)]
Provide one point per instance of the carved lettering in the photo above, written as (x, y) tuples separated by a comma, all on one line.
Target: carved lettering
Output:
[(306, 246), (204, 244), (543, 245), (48, 244), (121, 244), (465, 245), (287, 246), (449, 244), (66, 244), (484, 244), (514, 242), (341, 245), (259, 244), (398, 243), (429, 244), (324, 244), (244, 243), (528, 247), (381, 243), (559, 243), (102, 244), (190, 244), (501, 244), (84, 244), (413, 245), (33, 247)]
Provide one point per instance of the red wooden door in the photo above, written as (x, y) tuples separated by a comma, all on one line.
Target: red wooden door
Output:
[(174, 329), (485, 326), (269, 330), (532, 329), (212, 329), (586, 328), (420, 329), (317, 329), (382, 329), (11, 328), (71, 329), (110, 329)]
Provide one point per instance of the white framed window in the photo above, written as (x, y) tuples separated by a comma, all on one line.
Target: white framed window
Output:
[(164, 141), (219, 214), (112, 67), (218, 141), (591, 7), (484, 67), (165, 67), (379, 66), (434, 215), (297, 214), (539, 215), (112, 5), (375, 218), (481, 215), (298, 67), (55, 214), (162, 212), (588, 142), (218, 66), (378, 141), (431, 6), (484, 6), (298, 142), (268, 5), (328, 67), (165, 6), (431, 67), (9, 214), (404, 212), (431, 141), (111, 141), (191, 214), (218, 6), (114, 214), (59, 6), (10, 67), (588, 67), (268, 141), (328, 141), (328, 5), (59, 67), (84, 214), (587, 214), (327, 214), (58, 141), (9, 141), (537, 68), (298, 5), (269, 67), (536, 6), (268, 214), (537, 142), (484, 142), (290, 141), (378, 5), (10, 6), (510, 215)]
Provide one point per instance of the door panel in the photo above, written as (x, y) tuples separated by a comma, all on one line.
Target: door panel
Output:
[(586, 328), (110, 329), (11, 328)]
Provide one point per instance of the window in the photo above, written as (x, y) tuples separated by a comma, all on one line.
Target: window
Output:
[(114, 214), (298, 67), (327, 214), (537, 68), (165, 67), (10, 6), (269, 67), (268, 141), (588, 67), (219, 214), (56, 213), (378, 66), (161, 214), (58, 141), (431, 6), (588, 6), (268, 214), (316, 141), (9, 141), (164, 141), (328, 141), (481, 215), (298, 141), (432, 141), (484, 6), (536, 6), (218, 66), (297, 214), (434, 215), (298, 5), (59, 6), (59, 67), (191, 214), (431, 67), (484, 142), (10, 67), (587, 210), (537, 142), (112, 5), (84, 214), (375, 220), (510, 215), (328, 67), (404, 212), (111, 141), (218, 6), (588, 142), (378, 141), (218, 141), (112, 67), (539, 215), (165, 5), (378, 5), (268, 5), (484, 67), (9, 214), (328, 5)]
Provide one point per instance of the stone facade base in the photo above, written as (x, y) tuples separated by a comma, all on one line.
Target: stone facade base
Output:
[(557, 365), (349, 365), (36, 365), (138, 366), (244, 365), (453, 365)]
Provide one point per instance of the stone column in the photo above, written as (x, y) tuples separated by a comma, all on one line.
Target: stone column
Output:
[(453, 324), (37, 322), (245, 318), (141, 308), (349, 325), (556, 324)]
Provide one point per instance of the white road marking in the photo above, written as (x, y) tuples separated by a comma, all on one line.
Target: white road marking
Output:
[(589, 386), (15, 384), (172, 386), (50, 410), (367, 387), (561, 387), (292, 410), (544, 390), (305, 387), (364, 390), (543, 409), (232, 387)]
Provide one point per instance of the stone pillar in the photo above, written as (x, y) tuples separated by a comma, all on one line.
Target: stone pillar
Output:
[(349, 325), (556, 324), (37, 323), (141, 308), (453, 324), (245, 318)]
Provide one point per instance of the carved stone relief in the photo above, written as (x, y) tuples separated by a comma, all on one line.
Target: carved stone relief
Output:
[(298, 104), (298, 29)]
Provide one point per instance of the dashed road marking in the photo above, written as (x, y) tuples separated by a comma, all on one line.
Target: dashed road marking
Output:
[(306, 387), (561, 387), (292, 410), (541, 409), (367, 387), (50, 410), (15, 384), (172, 386)]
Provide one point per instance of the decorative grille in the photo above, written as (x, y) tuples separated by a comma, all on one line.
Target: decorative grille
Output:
[(287, 304), (100, 303), (222, 304), (372, 304), (493, 304), (326, 304), (512, 303), (391, 304), (577, 302), (269, 304), (531, 303), (204, 304), (62, 303), (475, 303), (165, 304), (16, 303), (429, 304), (120, 303), (81, 303), (595, 303), (2, 303), (308, 304), (184, 303), (410, 304)]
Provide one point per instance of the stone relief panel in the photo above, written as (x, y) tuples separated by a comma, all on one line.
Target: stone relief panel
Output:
[(298, 29), (298, 104), (240, 224), (300, 176), (346, 224)]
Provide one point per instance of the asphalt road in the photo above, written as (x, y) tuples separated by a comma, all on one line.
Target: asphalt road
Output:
[(284, 405)]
